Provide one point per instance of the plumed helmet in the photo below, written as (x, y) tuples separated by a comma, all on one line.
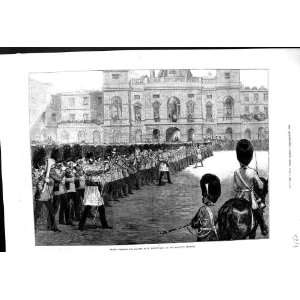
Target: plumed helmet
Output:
[(244, 151)]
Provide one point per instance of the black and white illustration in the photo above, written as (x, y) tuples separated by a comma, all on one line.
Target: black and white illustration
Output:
[(2, 223), (123, 157)]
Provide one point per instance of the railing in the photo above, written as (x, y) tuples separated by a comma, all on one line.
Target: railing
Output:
[(94, 121)]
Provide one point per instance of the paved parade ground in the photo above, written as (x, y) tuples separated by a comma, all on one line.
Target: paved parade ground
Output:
[(139, 218)]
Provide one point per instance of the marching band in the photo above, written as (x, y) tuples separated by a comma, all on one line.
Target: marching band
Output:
[(69, 189)]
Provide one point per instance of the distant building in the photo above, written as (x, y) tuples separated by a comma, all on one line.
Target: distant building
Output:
[(72, 118), (169, 105)]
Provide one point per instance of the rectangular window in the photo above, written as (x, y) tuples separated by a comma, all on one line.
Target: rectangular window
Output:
[(85, 100), (247, 109), (137, 97), (72, 117), (227, 75), (172, 72), (115, 76), (53, 117), (265, 97), (266, 110), (85, 117), (256, 109), (256, 97), (71, 101), (156, 96), (100, 100), (43, 117), (191, 95), (246, 98), (209, 96)]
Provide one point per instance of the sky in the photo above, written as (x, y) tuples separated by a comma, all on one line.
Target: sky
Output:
[(93, 80)]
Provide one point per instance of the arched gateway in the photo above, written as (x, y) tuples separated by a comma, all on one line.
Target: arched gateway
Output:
[(173, 134)]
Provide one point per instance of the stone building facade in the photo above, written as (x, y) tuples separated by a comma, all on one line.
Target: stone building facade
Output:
[(71, 118), (164, 106), (172, 105)]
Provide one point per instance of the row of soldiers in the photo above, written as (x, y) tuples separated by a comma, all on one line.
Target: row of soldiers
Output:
[(117, 176)]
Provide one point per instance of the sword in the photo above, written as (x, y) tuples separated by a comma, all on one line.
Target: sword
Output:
[(174, 229)]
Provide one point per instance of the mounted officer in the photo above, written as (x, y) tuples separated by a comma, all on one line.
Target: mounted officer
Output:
[(247, 184)]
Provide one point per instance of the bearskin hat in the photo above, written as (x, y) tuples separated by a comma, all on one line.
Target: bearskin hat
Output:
[(55, 154), (214, 186), (244, 151), (89, 155)]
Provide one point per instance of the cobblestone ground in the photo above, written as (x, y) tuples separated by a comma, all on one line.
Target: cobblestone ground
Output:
[(139, 218)]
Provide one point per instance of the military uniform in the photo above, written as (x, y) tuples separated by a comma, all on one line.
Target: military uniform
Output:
[(164, 168), (43, 196), (92, 196), (245, 179)]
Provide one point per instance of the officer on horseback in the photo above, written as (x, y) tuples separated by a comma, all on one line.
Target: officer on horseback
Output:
[(247, 184)]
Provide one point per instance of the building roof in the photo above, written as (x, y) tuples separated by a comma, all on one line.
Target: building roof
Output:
[(175, 73)]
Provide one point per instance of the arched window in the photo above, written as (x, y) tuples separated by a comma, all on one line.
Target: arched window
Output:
[(209, 114), (65, 136), (261, 133), (190, 108), (81, 136), (209, 133), (228, 134), (191, 132), (247, 134), (44, 135), (155, 135), (228, 108), (116, 108), (138, 112), (173, 109), (138, 136), (156, 106), (96, 137), (115, 136)]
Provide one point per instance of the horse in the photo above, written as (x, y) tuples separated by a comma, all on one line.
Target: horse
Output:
[(236, 220)]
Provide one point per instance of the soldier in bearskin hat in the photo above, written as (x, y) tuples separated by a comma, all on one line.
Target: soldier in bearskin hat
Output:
[(92, 195), (206, 217), (44, 193), (246, 179), (164, 167)]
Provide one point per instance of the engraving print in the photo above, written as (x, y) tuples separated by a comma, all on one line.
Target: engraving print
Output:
[(124, 157)]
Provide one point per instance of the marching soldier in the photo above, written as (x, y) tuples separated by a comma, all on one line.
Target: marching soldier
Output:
[(164, 168), (59, 198), (80, 187), (199, 157), (73, 205), (43, 195), (92, 196)]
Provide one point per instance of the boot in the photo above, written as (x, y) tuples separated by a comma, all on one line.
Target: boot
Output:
[(258, 214)]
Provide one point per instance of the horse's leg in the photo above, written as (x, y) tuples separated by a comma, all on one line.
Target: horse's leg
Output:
[(252, 234)]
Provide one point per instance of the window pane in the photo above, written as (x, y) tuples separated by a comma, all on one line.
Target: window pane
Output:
[(115, 76), (227, 75)]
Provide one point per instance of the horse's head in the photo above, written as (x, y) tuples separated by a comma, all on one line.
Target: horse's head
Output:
[(262, 193)]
